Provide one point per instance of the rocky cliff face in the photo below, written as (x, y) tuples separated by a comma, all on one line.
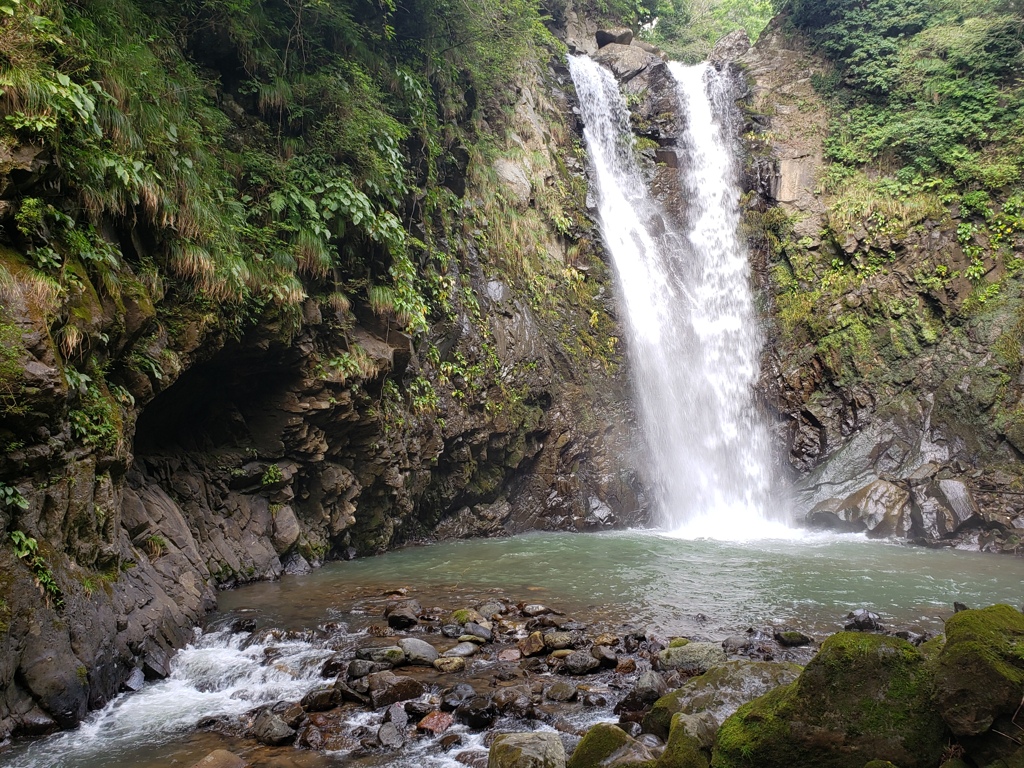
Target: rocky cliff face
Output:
[(896, 378), (221, 447)]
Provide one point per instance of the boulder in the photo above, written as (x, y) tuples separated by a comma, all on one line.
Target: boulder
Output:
[(271, 730), (580, 663), (790, 638), (719, 692), (649, 687), (418, 652), (619, 35), (625, 61), (321, 699), (980, 670), (478, 712), (403, 614), (683, 749), (526, 750), (730, 47), (286, 529), (387, 688), (390, 736), (863, 697), (692, 658), (941, 508), (881, 508), (607, 745)]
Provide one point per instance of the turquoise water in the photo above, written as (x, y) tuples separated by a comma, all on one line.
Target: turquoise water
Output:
[(651, 580), (647, 580)]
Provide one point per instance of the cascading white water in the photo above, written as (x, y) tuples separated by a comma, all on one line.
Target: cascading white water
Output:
[(694, 337)]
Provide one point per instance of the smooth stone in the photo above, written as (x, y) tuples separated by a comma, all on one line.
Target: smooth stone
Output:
[(526, 750), (462, 650), (419, 652), (450, 664)]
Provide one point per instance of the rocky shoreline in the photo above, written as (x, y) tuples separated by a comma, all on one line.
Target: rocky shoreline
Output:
[(521, 685)]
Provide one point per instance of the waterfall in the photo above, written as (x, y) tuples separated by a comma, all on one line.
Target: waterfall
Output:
[(693, 331)]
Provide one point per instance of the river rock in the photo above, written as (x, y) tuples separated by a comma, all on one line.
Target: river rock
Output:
[(403, 614), (789, 638), (692, 658), (515, 701), (535, 609), (605, 656), (526, 750), (863, 620), (863, 697), (620, 35), (390, 654), (387, 688), (450, 664), (435, 723), (557, 641), (649, 687), (321, 699), (336, 665), (418, 652), (608, 745), (580, 663), (271, 730), (461, 651), (452, 697), (478, 712), (560, 690), (221, 758), (490, 609), (719, 692), (476, 630), (979, 677), (532, 645), (389, 736)]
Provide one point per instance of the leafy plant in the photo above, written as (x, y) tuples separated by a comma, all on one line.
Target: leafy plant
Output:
[(27, 548), (272, 475), (11, 497)]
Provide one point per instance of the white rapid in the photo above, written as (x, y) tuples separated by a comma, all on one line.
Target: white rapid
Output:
[(694, 336), (219, 674)]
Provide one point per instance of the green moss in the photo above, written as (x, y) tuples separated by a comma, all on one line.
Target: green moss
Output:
[(678, 642), (597, 745), (980, 671), (862, 697), (682, 750)]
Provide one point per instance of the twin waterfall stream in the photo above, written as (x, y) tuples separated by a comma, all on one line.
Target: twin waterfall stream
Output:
[(723, 558), (694, 337)]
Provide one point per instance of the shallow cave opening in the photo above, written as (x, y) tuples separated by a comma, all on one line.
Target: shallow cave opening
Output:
[(231, 402)]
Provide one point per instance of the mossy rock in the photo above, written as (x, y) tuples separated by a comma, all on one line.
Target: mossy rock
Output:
[(719, 691), (678, 642), (880, 764), (980, 670), (607, 745), (863, 697), (682, 749)]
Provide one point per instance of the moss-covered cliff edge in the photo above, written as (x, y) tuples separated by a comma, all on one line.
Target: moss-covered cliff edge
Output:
[(281, 282), (885, 142)]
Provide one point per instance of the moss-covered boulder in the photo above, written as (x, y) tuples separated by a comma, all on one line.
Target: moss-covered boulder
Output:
[(863, 697), (683, 749), (692, 658), (526, 750), (980, 671), (720, 691), (605, 746)]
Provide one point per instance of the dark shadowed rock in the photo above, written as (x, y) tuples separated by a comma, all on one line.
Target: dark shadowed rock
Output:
[(620, 35), (387, 688), (271, 730)]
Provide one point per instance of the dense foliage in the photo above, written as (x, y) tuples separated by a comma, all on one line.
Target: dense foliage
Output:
[(688, 29), (244, 150), (932, 85)]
